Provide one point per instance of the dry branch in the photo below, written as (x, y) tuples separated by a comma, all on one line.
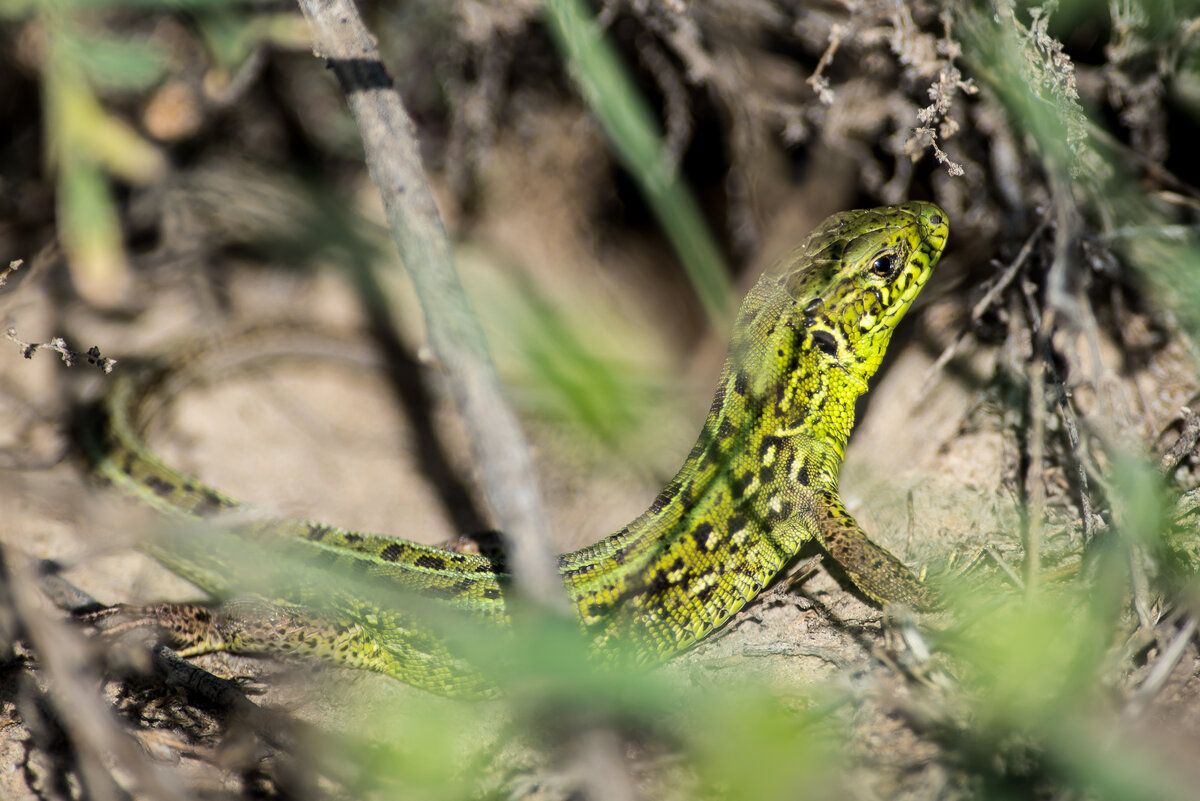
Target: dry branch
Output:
[(394, 162)]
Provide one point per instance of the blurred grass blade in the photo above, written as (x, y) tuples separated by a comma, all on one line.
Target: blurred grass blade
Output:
[(148, 5), (91, 233), (83, 129), (574, 372), (116, 62), (231, 37), (86, 142), (629, 125)]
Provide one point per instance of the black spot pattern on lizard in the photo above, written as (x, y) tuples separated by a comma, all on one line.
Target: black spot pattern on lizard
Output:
[(159, 486), (621, 554), (209, 503), (803, 478), (392, 552), (797, 352), (700, 534), (665, 497), (460, 588), (711, 455), (592, 610), (781, 392), (658, 583), (581, 570), (315, 532), (769, 444), (739, 485), (740, 383), (429, 561), (782, 512)]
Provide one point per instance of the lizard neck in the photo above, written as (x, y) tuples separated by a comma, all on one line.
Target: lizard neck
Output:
[(815, 407), (736, 512)]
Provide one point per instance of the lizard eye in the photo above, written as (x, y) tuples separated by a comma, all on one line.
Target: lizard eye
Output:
[(883, 265)]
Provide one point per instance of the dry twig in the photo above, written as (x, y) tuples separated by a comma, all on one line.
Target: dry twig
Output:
[(1157, 679), (1189, 437), (989, 299), (96, 737), (394, 161), (59, 346), (12, 267)]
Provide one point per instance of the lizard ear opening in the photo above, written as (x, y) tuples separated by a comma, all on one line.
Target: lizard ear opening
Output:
[(825, 342)]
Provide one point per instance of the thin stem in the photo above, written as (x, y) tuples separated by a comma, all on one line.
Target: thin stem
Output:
[(455, 337)]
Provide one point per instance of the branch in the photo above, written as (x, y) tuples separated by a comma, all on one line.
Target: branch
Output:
[(457, 342)]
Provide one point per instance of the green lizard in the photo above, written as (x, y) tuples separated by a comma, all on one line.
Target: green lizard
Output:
[(761, 481)]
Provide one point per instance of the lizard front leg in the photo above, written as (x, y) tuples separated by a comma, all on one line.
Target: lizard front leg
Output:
[(873, 569)]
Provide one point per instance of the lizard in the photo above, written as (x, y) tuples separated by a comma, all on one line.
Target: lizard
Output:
[(760, 482)]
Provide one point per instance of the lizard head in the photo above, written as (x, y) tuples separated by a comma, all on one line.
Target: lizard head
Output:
[(811, 333), (855, 277)]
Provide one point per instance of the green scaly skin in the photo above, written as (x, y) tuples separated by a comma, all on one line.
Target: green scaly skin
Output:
[(760, 482)]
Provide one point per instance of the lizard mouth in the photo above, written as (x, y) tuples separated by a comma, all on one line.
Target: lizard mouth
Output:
[(931, 241)]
